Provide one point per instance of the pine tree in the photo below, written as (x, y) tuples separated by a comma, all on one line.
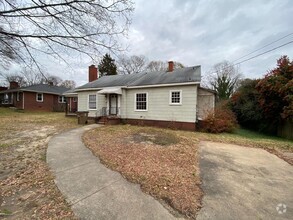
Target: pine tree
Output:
[(107, 66)]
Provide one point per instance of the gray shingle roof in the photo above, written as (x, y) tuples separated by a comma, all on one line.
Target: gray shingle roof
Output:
[(41, 88), (188, 74)]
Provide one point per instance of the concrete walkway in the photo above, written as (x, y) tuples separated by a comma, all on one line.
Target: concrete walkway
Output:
[(93, 191), (244, 183)]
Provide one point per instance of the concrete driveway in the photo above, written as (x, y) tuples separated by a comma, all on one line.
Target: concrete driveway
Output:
[(244, 183)]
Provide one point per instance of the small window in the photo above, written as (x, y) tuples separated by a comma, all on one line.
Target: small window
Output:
[(92, 102), (39, 97), (141, 101), (17, 96), (61, 99), (175, 97), (74, 99)]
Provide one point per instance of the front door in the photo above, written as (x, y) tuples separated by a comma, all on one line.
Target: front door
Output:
[(113, 104)]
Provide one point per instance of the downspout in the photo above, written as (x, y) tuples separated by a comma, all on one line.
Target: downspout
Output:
[(23, 100), (70, 99)]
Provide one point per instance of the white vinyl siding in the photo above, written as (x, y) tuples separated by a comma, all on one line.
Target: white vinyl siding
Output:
[(83, 102), (158, 104), (205, 103)]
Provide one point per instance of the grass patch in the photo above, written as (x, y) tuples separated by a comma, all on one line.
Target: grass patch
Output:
[(5, 212), (4, 145), (26, 176), (241, 132)]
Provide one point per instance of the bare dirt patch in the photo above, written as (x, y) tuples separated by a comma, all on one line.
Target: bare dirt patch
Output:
[(163, 162), (27, 189)]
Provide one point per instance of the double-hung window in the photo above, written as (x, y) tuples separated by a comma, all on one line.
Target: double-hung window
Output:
[(141, 102), (39, 97), (176, 97), (92, 102), (61, 99)]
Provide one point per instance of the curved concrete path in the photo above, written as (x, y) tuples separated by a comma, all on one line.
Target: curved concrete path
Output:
[(244, 183), (92, 190)]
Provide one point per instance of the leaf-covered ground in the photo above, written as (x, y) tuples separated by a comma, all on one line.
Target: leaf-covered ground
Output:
[(27, 189), (165, 162)]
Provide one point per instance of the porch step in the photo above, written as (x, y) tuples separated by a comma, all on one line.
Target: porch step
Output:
[(108, 120)]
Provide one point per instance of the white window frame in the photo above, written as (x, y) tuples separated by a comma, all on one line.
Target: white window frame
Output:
[(42, 95), (147, 102), (170, 97), (62, 99), (89, 102)]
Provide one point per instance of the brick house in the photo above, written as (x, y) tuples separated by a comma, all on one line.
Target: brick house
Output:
[(40, 97), (71, 97)]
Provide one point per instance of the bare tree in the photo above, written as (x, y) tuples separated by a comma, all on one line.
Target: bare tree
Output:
[(225, 79), (32, 75), (132, 64), (58, 27), (162, 66), (70, 84), (16, 78), (54, 80)]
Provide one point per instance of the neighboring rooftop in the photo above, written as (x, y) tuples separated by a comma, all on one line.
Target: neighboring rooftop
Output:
[(184, 75), (41, 88)]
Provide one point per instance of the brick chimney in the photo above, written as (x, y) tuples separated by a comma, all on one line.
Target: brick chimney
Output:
[(170, 66), (93, 73), (13, 85)]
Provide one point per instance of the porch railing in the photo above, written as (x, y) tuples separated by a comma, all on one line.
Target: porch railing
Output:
[(107, 111)]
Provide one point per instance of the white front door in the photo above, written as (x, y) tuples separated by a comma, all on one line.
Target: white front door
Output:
[(113, 104)]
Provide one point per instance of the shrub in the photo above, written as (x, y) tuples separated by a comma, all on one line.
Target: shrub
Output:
[(221, 120)]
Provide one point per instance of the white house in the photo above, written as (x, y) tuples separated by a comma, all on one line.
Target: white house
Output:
[(170, 98)]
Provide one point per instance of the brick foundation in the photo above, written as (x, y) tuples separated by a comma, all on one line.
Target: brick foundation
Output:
[(188, 126)]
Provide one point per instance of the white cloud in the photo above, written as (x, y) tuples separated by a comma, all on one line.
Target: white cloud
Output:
[(202, 32)]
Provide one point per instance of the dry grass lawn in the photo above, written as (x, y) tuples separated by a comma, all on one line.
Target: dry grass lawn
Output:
[(27, 189), (165, 162)]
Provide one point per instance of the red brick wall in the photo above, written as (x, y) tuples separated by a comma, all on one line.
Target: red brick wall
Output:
[(30, 102), (50, 102), (18, 104)]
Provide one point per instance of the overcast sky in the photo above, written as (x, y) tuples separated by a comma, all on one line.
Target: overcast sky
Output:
[(203, 33)]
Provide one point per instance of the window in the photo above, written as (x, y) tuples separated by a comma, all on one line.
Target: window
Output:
[(92, 102), (17, 96), (141, 101), (74, 99), (61, 99), (39, 97), (175, 97)]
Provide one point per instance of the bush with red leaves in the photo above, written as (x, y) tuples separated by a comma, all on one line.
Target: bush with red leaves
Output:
[(221, 120)]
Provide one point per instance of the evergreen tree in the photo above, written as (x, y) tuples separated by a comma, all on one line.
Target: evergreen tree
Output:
[(107, 66)]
